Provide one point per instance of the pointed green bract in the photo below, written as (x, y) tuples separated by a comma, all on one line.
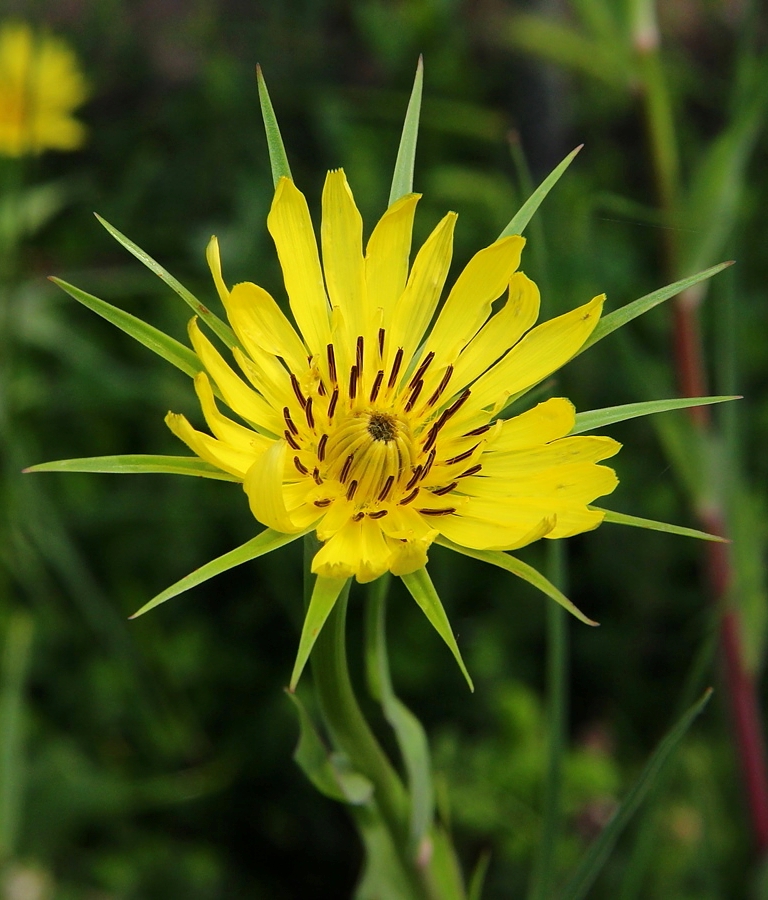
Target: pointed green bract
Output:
[(263, 543), (599, 852), (522, 570), (402, 180), (136, 464), (621, 317), (219, 328), (527, 211), (278, 159), (598, 418), (423, 592), (324, 596), (157, 341), (477, 881), (617, 518)]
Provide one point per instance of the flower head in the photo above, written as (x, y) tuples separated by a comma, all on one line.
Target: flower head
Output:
[(40, 85), (377, 431)]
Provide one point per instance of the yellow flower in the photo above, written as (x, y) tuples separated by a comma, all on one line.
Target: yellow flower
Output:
[(376, 431), (40, 85)]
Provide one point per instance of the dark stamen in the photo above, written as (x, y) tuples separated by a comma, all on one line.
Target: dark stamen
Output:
[(377, 384), (309, 414), (334, 400), (441, 387), (412, 496), (447, 413), (472, 470), (316, 475), (331, 362), (382, 335), (414, 478), (431, 437), (358, 516), (322, 503), (395, 367), (299, 465), (346, 467), (379, 514), (477, 431), (423, 367), (291, 441), (462, 456), (289, 421), (351, 489), (430, 461), (414, 396), (445, 490), (359, 353), (354, 374), (437, 512), (321, 389), (297, 390), (321, 447), (387, 488)]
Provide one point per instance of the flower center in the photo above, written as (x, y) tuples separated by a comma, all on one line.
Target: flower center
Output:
[(382, 427)]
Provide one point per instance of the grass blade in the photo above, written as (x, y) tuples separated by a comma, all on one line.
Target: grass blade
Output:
[(597, 855), (522, 570), (618, 518), (219, 328), (263, 543), (157, 341), (324, 596), (278, 159), (135, 464), (402, 180), (423, 592), (527, 211), (598, 418)]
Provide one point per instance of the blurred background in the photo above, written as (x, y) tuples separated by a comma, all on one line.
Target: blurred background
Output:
[(152, 759)]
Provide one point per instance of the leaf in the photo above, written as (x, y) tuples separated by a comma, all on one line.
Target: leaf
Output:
[(265, 542), (526, 212), (620, 317), (598, 854), (411, 737), (522, 570), (278, 158), (478, 876), (324, 770), (618, 518), (324, 596), (423, 592), (136, 464), (599, 418), (157, 341), (218, 327), (402, 180)]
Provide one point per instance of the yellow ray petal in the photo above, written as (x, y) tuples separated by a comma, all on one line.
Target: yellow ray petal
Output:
[(541, 352), (237, 395), (218, 454), (408, 556), (482, 535), (267, 374), (236, 436), (264, 487), (546, 422), (291, 229), (522, 464), (484, 280), (342, 241), (258, 321), (414, 310), (503, 331), (213, 257), (580, 483), (357, 549), (386, 256), (404, 523)]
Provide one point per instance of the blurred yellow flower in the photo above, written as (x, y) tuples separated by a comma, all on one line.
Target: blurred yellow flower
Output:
[(40, 85), (375, 435)]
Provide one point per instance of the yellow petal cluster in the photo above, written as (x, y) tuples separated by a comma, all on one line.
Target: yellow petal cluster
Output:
[(40, 86), (374, 421)]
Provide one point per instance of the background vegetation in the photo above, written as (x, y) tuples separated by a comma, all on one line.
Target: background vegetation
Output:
[(152, 759)]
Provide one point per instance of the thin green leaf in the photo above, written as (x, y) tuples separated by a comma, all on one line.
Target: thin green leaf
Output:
[(522, 570), (278, 158), (423, 592), (325, 770), (599, 418), (411, 737), (157, 341), (135, 464), (219, 328), (597, 855), (402, 180), (265, 542), (478, 876), (621, 317), (618, 518), (324, 596), (526, 212)]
